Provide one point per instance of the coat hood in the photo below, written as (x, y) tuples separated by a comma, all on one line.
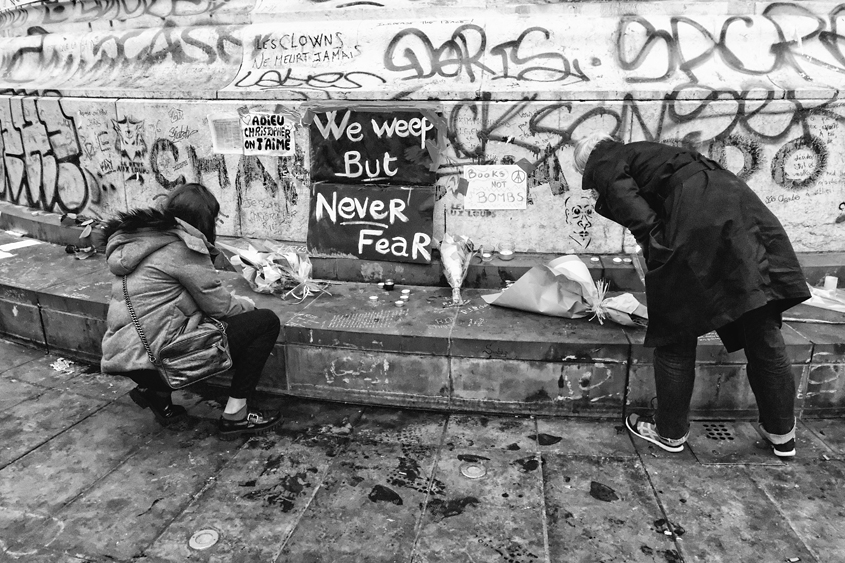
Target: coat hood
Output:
[(134, 235)]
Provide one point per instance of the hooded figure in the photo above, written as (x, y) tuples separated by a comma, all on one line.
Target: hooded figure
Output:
[(166, 257), (717, 259)]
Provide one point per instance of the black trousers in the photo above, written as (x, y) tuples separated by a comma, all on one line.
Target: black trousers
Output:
[(252, 337)]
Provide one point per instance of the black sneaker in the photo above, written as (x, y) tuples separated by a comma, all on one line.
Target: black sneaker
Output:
[(786, 449), (165, 411), (645, 428), (255, 422)]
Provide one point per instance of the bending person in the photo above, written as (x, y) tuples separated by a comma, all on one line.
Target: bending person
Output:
[(166, 257), (717, 259)]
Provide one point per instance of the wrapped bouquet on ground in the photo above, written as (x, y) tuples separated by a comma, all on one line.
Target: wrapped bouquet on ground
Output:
[(565, 288), (275, 269), (456, 253)]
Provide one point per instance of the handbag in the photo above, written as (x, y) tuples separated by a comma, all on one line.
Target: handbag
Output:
[(190, 357)]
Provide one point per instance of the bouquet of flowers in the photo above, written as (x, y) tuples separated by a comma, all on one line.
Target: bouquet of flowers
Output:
[(274, 269), (456, 253), (565, 288)]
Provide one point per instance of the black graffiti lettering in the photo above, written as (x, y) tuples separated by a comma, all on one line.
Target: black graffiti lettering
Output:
[(162, 148), (42, 157), (411, 50), (690, 46), (209, 165), (652, 36), (269, 79), (555, 67)]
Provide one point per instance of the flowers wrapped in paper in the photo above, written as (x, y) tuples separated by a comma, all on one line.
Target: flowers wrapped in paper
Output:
[(565, 288), (274, 269), (456, 254)]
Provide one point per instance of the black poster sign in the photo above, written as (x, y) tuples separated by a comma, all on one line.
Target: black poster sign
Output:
[(388, 223), (362, 147)]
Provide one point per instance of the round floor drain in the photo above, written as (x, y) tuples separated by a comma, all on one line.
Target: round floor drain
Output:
[(203, 539), (473, 470)]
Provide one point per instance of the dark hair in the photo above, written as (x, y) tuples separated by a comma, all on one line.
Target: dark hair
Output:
[(196, 205)]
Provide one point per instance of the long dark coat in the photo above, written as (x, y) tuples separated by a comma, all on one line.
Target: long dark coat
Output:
[(713, 249)]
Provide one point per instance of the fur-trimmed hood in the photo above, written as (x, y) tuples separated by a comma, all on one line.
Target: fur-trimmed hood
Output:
[(136, 219), (133, 235)]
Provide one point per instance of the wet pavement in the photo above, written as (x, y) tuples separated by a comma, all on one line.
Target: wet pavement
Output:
[(85, 475)]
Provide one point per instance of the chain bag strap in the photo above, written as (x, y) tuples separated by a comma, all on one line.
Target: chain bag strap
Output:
[(137, 324)]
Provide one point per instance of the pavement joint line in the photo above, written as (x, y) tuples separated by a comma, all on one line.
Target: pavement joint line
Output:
[(780, 512), (62, 431), (421, 518), (544, 514), (657, 499), (311, 498)]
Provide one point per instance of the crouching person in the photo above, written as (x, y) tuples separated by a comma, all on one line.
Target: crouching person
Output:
[(164, 285)]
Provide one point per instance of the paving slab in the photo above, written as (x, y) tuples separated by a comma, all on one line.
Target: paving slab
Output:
[(367, 505), (58, 470), (253, 504), (811, 498), (603, 509), (28, 424), (485, 505), (13, 355), (511, 433), (578, 437), (725, 516), (830, 431), (122, 513), (404, 426)]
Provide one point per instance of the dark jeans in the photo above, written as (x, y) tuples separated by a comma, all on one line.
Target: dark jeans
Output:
[(251, 337), (768, 374)]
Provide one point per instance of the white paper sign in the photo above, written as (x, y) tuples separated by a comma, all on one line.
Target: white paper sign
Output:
[(497, 186), (266, 133)]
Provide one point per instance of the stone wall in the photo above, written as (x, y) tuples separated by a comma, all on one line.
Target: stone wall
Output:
[(106, 105)]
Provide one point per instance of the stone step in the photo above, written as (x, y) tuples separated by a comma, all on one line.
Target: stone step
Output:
[(343, 346)]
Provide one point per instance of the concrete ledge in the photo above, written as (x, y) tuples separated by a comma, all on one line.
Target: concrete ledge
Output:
[(345, 347)]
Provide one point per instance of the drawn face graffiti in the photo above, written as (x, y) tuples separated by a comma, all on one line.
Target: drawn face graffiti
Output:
[(579, 216), (130, 141)]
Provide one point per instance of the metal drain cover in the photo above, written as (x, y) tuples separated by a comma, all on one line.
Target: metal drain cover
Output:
[(473, 470), (718, 431), (203, 539)]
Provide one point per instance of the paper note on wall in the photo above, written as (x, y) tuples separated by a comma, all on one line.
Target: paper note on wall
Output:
[(266, 133), (500, 186), (225, 134)]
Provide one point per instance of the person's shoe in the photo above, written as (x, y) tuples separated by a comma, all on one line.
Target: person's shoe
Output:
[(165, 411), (645, 428), (787, 446), (254, 422)]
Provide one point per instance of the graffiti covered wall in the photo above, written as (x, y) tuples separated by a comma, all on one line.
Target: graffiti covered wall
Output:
[(108, 105)]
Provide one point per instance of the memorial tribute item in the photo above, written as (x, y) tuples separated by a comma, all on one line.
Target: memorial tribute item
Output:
[(565, 288), (274, 269), (456, 253)]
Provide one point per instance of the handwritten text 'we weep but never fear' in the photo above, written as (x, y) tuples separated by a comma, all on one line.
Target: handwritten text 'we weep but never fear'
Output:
[(373, 184)]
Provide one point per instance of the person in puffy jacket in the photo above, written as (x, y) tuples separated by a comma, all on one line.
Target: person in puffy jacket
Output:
[(718, 260), (166, 256)]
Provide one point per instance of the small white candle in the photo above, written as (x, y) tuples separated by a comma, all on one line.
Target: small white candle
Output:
[(400, 303), (406, 291)]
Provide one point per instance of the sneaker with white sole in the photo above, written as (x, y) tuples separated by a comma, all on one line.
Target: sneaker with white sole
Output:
[(645, 428), (786, 447)]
